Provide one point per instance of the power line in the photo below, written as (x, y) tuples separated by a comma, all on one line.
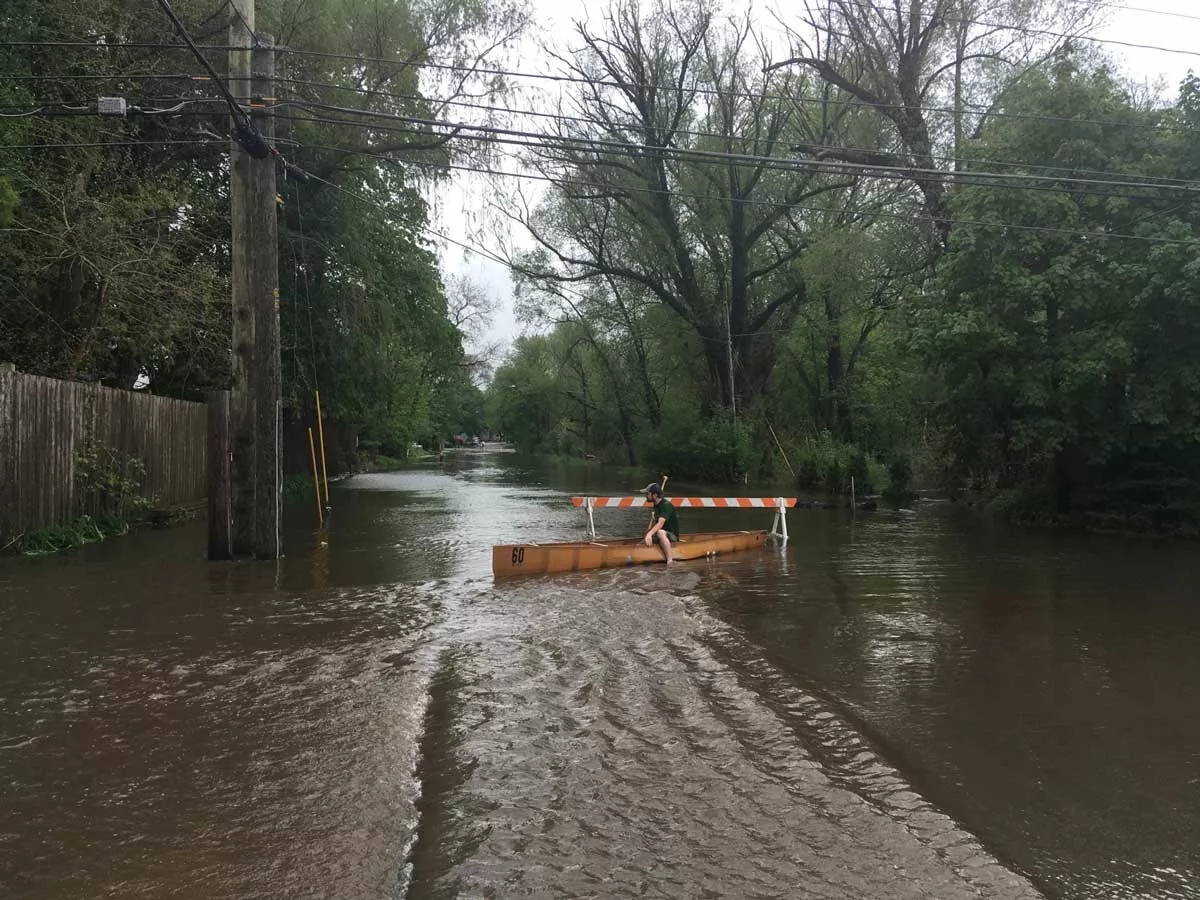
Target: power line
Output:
[(716, 92), (537, 140), (537, 176), (103, 76), (123, 45), (43, 111), (593, 144), (908, 217), (614, 190), (234, 107), (1022, 29), (569, 78), (248, 135), (744, 95), (131, 109), (1141, 9), (92, 144), (576, 79), (1053, 171), (690, 133), (693, 133), (862, 4)]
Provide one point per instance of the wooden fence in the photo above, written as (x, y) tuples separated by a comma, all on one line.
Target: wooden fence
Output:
[(45, 423)]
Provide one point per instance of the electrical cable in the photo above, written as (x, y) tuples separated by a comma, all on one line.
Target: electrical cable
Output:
[(247, 134), (536, 140), (576, 79), (1020, 29), (611, 190), (93, 144), (908, 217)]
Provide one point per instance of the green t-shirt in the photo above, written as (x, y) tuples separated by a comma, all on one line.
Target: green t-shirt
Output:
[(664, 509)]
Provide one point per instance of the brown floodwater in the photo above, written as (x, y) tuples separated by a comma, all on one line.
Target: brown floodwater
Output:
[(912, 704)]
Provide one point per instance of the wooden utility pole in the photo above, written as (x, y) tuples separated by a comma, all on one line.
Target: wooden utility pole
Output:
[(240, 199), (265, 377), (255, 406)]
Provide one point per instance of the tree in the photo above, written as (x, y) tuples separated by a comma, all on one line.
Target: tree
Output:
[(524, 401), (670, 184), (471, 310), (107, 268), (115, 265), (1069, 355), (370, 320), (932, 70), (613, 326), (857, 277)]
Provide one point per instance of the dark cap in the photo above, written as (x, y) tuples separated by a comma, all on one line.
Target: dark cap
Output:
[(653, 488)]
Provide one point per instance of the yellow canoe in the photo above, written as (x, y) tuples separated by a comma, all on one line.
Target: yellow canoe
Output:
[(538, 559)]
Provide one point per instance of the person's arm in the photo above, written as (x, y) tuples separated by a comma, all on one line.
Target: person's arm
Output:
[(656, 526)]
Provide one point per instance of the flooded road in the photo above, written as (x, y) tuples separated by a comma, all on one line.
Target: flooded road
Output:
[(883, 711)]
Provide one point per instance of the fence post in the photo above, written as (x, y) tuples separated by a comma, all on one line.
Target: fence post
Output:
[(9, 523), (220, 496)]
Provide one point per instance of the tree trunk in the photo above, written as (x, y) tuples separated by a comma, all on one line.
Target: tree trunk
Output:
[(835, 374), (716, 354), (587, 416), (1062, 467), (960, 52)]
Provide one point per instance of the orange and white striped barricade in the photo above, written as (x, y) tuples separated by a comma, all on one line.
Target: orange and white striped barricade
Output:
[(779, 504)]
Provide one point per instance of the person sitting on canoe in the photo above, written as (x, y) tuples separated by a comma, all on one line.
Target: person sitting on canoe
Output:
[(664, 527)]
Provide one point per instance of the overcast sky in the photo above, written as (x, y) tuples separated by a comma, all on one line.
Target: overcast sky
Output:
[(457, 206)]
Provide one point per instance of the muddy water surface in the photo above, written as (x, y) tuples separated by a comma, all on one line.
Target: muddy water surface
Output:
[(913, 705)]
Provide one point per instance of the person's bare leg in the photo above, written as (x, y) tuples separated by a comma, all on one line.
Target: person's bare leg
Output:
[(665, 542)]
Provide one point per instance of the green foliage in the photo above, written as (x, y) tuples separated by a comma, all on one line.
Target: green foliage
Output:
[(714, 451), (524, 402), (1068, 361), (373, 456), (456, 407), (73, 534), (110, 482), (117, 264), (298, 488), (826, 464)]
